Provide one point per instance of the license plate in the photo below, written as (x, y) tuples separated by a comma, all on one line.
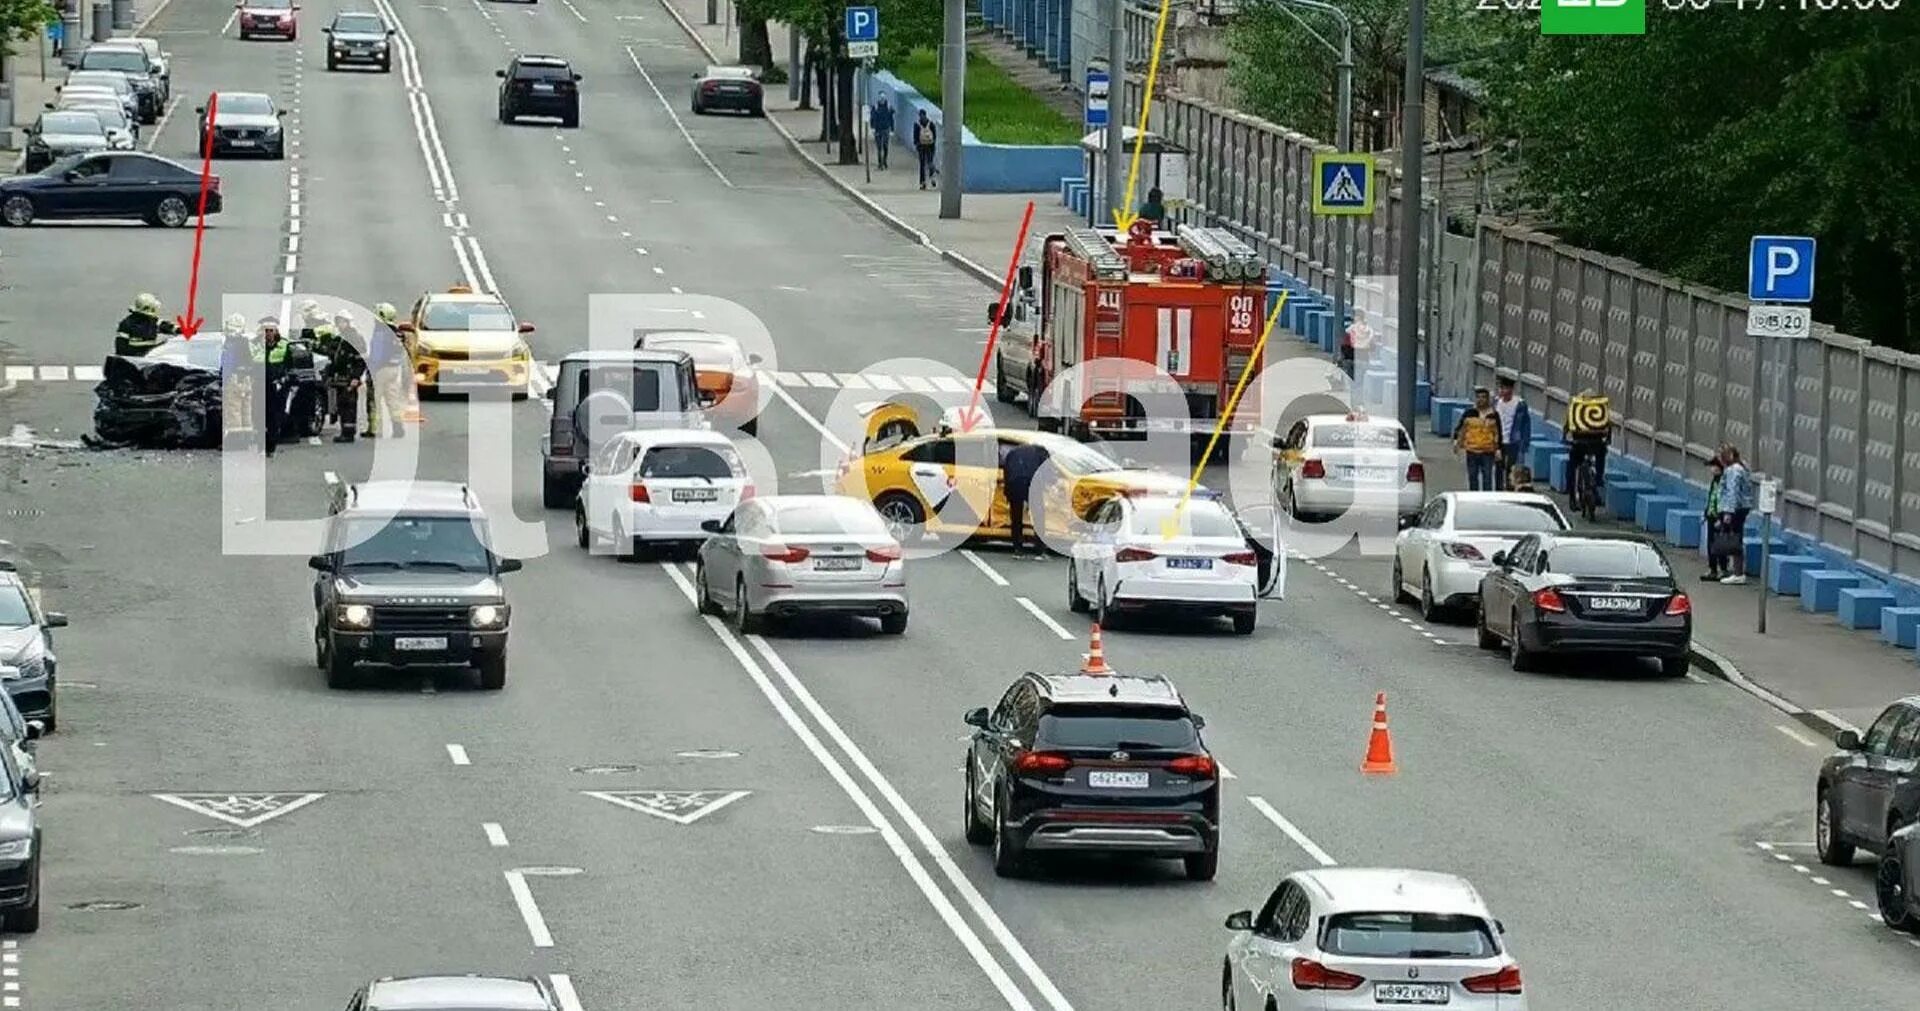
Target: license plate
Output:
[(1614, 604), (413, 643), (1117, 780), (1189, 563), (836, 564), (465, 373), (1410, 993), (698, 495), (241, 143), (1372, 473), (543, 87)]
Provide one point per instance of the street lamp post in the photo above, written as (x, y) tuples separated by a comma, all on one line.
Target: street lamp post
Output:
[(1116, 112), (1412, 142), (1343, 130)]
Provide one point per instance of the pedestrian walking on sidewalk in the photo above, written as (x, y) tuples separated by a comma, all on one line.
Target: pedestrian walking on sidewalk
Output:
[(1736, 502), (1516, 423), (925, 134), (1715, 523), (882, 121), (1477, 437)]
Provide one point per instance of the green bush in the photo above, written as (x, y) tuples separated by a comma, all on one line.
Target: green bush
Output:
[(998, 111)]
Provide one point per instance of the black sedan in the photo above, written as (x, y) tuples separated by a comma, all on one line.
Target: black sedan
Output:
[(19, 847), (109, 184), (1561, 593), (1869, 787), (736, 88)]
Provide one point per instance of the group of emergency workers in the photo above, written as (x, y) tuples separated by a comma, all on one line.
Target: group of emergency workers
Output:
[(381, 370)]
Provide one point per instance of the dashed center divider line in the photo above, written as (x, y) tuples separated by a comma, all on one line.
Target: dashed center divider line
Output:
[(1044, 618), (1299, 838), (564, 992), (458, 754), (496, 836)]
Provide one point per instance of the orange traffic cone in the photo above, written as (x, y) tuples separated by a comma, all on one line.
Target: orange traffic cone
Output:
[(1096, 657), (1379, 761)]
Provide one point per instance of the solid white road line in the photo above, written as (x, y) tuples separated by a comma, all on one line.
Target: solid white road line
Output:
[(231, 18), (563, 990), (496, 836), (1225, 773), (458, 754), (1797, 735), (1045, 618), (160, 127), (529, 911), (1299, 838), (466, 262), (575, 10), (722, 176), (996, 578), (916, 870), (480, 264)]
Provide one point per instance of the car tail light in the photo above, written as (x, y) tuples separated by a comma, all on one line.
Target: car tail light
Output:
[(1241, 558), (1505, 981), (890, 553), (213, 184), (1679, 605), (782, 553), (1041, 762), (1459, 549), (1311, 975), (1549, 600), (710, 87), (1313, 469), (1416, 473), (1198, 766), (638, 493), (1133, 555)]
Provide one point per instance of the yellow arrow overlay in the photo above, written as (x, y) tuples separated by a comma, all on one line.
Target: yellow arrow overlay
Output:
[(1123, 215), (1170, 527)]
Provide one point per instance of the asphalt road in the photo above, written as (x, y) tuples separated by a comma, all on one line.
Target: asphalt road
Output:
[(1613, 820)]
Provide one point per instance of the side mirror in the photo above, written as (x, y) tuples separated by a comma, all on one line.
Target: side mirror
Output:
[(525, 327), (30, 781), (976, 717), (70, 175), (753, 358), (711, 526), (549, 394), (390, 31), (55, 619), (1026, 278), (319, 563), (1242, 920), (1500, 926), (507, 565), (52, 107), (576, 78), (501, 74), (1199, 721), (328, 30), (201, 109), (1500, 559), (1407, 522), (1848, 740), (35, 730), (280, 112)]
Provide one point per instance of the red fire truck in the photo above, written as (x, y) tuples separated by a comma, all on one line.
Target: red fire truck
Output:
[(1190, 302)]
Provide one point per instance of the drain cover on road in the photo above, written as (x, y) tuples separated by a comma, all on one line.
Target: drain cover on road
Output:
[(605, 770), (104, 906)]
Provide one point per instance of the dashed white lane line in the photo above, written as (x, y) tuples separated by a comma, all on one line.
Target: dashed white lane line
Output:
[(1797, 735), (722, 176), (564, 992), (575, 11), (10, 954), (529, 910), (458, 754), (985, 569), (496, 836), (231, 18), (1044, 618), (1773, 850), (1299, 838), (1225, 773)]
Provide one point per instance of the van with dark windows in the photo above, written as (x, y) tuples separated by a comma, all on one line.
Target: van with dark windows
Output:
[(597, 395)]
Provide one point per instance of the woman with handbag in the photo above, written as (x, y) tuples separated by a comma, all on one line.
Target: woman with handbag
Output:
[(1716, 524)]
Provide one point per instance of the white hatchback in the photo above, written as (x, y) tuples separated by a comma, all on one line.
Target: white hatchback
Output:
[(1361, 939), (658, 486), (1440, 557), (1144, 553)]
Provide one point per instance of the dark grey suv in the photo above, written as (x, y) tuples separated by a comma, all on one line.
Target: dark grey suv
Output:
[(1869, 788)]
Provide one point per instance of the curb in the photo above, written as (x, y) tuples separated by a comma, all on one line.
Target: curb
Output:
[(1819, 720), (894, 221)]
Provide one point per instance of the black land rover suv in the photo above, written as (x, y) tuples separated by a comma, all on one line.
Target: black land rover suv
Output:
[(408, 579)]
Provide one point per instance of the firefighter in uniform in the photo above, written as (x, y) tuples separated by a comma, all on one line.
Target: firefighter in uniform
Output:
[(388, 365), (272, 353), (1588, 432), (346, 374), (142, 328), (318, 334), (236, 354)]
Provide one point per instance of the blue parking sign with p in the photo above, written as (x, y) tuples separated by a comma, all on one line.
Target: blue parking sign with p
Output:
[(1780, 268), (863, 24)]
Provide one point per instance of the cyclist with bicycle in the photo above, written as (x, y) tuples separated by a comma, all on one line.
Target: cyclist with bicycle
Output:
[(1588, 432)]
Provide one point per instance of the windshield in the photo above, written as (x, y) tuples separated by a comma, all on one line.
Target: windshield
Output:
[(639, 386), (1198, 519), (828, 518), (99, 80), (417, 542), (270, 5), (1513, 517), (14, 612), (543, 72), (1602, 560), (246, 105), (1110, 727), (131, 60), (70, 122), (1344, 436), (359, 24), (1408, 935), (203, 351), (451, 315), (685, 461)]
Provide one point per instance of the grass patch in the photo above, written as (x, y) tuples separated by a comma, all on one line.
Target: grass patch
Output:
[(998, 111)]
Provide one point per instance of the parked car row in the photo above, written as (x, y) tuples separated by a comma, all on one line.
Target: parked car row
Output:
[(29, 709)]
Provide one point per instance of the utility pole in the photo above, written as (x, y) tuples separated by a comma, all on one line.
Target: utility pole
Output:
[(1412, 141), (1343, 136), (953, 105), (1116, 110)]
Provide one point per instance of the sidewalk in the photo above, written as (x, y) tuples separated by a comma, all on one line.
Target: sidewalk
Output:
[(32, 91)]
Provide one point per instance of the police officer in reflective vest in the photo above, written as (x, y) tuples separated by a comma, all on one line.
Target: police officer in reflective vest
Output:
[(346, 373), (142, 328), (272, 352)]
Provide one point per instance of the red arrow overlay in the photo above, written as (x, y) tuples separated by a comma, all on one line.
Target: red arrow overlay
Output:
[(189, 324), (970, 416)]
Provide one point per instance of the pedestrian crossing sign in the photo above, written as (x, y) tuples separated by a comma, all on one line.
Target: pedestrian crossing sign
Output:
[(1344, 184)]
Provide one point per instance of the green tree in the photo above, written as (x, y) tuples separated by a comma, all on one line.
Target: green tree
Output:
[(905, 25), (21, 21)]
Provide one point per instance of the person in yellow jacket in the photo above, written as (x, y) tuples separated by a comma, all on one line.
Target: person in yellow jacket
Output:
[(1588, 432), (1477, 437)]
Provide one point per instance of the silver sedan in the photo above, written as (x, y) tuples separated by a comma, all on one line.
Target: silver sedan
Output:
[(793, 556)]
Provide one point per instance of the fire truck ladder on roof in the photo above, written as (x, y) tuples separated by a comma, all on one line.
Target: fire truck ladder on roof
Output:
[(1226, 256), (1094, 248)]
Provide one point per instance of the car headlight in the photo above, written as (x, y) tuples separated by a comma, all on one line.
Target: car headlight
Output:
[(16, 849), (354, 616), (30, 662), (381, 45), (489, 616)]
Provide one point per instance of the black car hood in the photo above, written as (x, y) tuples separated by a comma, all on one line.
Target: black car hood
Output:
[(34, 181), (451, 589)]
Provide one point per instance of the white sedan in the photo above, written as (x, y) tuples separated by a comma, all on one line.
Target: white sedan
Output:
[(658, 486), (1148, 553), (1362, 938), (1333, 464), (1441, 555)]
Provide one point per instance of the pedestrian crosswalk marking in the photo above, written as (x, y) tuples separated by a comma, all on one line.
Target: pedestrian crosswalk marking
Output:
[(1343, 190), (789, 379), (950, 384), (917, 384), (820, 379), (883, 382), (851, 381)]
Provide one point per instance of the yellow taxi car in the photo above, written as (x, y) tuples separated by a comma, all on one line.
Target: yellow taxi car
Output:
[(950, 480), (723, 372), (462, 340)]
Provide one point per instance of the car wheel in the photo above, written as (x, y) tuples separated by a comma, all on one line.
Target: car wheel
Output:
[(340, 673), (17, 211), (493, 672), (703, 601), (1007, 855), (1429, 611), (1002, 390), (1674, 666), (751, 426), (1075, 602), (280, 153), (387, 67), (1518, 657), (172, 211), (319, 646), (978, 832), (894, 624), (332, 64), (744, 620), (900, 511), (1483, 636), (1890, 888), (1400, 594), (1102, 615), (1033, 396), (1202, 866), (697, 110), (554, 491), (571, 120), (506, 116), (582, 534), (1832, 850), (1243, 622), (51, 722)]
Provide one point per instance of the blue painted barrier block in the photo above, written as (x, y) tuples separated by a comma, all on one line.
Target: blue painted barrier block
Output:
[(1446, 414), (1558, 477), (1686, 528), (1422, 397), (1294, 316), (1820, 589), (1621, 496), (1066, 185), (1860, 606), (1376, 386), (1540, 457), (1320, 328), (1650, 513), (1900, 626), (1784, 572)]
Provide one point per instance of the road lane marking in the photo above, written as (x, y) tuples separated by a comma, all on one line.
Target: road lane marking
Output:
[(480, 264), (1045, 618), (1225, 773), (529, 910), (244, 810), (458, 754), (466, 264), (911, 862), (682, 807), (1299, 838), (575, 11), (631, 55), (330, 477), (1797, 735), (161, 126), (564, 992), (231, 18), (980, 563), (496, 836)]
